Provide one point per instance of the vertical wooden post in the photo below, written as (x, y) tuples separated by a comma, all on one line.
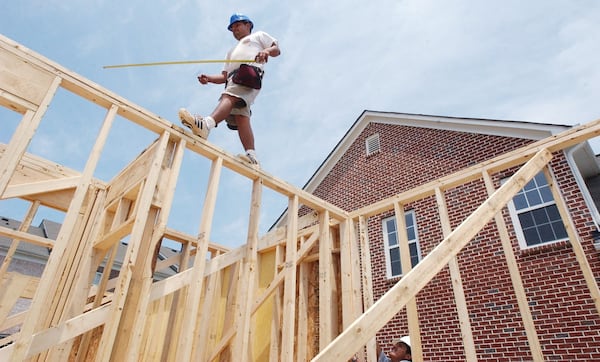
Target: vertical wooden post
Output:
[(289, 293), (411, 306), (177, 313), (276, 323), (457, 285), (189, 330), (326, 312), (206, 335), (242, 344), (302, 336), (350, 273), (515, 276), (367, 275), (586, 270), (350, 279)]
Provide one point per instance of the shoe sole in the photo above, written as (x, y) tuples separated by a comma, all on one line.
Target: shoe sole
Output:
[(191, 126), (184, 120)]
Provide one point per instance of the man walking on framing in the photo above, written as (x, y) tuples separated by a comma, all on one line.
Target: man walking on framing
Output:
[(242, 85)]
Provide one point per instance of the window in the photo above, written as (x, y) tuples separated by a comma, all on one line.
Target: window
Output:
[(392, 248), (535, 214), (97, 278), (372, 144)]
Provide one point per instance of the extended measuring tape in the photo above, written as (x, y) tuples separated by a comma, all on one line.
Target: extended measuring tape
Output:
[(180, 62)]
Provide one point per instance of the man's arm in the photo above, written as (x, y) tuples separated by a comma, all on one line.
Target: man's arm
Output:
[(216, 78), (263, 55)]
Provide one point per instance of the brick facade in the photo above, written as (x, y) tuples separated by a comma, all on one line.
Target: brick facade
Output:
[(565, 316)]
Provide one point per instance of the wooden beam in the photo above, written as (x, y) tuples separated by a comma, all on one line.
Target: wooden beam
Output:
[(189, 330), (515, 277), (41, 187), (289, 296), (586, 270), (326, 310), (249, 270), (457, 287), (412, 314)]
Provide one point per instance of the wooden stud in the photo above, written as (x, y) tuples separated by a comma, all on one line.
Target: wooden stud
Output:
[(289, 293), (326, 311), (515, 276), (586, 270), (189, 330), (457, 287)]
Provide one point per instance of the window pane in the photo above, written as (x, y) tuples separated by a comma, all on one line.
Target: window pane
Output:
[(553, 213), (540, 179), (531, 236), (414, 254), (546, 194), (533, 197), (395, 265), (530, 185), (526, 220), (546, 232), (540, 216), (411, 233), (391, 225), (392, 239), (559, 229), (520, 201), (408, 219)]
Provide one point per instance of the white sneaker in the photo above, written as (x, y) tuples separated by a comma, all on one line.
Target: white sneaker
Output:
[(250, 158), (194, 122)]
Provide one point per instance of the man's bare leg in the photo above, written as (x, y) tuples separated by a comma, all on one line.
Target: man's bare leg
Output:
[(223, 109), (245, 132)]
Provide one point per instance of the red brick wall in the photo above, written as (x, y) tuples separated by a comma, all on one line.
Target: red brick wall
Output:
[(565, 317)]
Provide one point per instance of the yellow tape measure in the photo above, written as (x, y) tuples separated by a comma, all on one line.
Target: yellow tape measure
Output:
[(180, 62)]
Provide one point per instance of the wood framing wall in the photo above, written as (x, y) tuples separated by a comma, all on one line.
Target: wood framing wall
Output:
[(298, 292)]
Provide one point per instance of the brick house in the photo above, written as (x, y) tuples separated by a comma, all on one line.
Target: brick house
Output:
[(384, 154)]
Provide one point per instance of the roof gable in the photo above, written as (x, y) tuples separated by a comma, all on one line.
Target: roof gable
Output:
[(517, 129)]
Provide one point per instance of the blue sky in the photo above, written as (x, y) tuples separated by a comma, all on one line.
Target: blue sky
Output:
[(534, 60)]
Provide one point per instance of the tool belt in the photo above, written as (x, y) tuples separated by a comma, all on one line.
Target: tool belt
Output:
[(248, 75)]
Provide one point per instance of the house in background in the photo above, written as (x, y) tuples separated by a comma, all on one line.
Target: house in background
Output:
[(30, 259), (384, 154)]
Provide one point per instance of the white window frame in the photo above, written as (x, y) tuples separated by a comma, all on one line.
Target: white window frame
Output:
[(514, 216), (386, 241)]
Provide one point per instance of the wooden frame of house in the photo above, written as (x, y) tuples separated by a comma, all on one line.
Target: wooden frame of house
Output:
[(302, 291)]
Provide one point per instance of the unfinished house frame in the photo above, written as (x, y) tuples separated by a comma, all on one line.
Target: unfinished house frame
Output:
[(298, 292)]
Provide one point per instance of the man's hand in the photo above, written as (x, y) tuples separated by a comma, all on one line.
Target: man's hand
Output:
[(262, 56), (203, 78)]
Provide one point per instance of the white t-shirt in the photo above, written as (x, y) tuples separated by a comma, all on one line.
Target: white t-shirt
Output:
[(247, 48)]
